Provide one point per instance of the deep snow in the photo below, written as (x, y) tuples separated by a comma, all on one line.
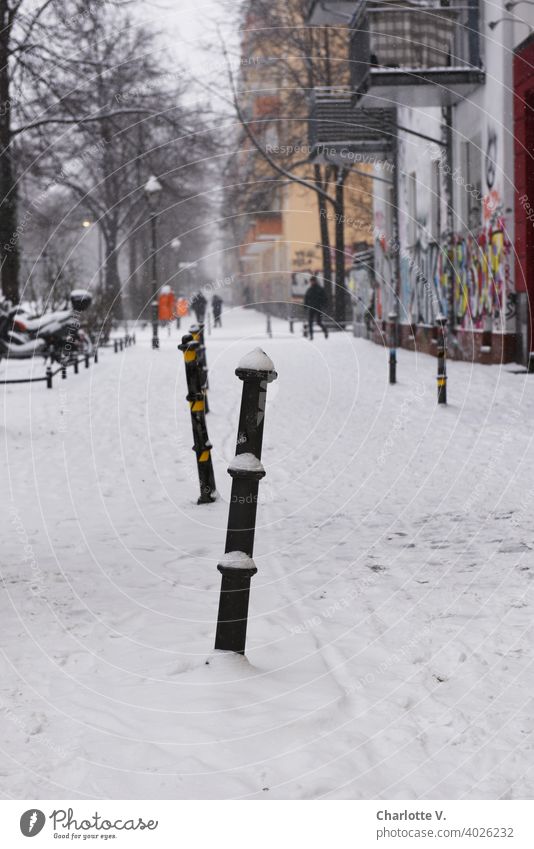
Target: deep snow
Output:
[(390, 631)]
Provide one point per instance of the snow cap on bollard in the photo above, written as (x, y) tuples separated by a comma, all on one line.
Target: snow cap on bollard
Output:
[(258, 362)]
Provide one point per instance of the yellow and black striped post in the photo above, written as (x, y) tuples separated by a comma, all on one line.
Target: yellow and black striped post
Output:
[(441, 321), (195, 396), (237, 566), (393, 342), (197, 332)]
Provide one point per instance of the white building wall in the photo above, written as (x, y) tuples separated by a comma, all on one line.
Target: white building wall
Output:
[(478, 251)]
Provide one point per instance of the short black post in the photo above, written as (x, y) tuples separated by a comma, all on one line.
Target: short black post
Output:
[(115, 346), (441, 321), (120, 344), (76, 366), (195, 395), (393, 342), (155, 324), (49, 377), (87, 361), (96, 355), (530, 363), (64, 371), (237, 566), (269, 327), (291, 325)]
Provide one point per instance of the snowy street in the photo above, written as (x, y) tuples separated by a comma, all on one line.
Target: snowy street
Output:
[(390, 630)]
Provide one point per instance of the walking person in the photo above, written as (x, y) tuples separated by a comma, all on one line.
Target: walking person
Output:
[(198, 305), (315, 301), (216, 306)]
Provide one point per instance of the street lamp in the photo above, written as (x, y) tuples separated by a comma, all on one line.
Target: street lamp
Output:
[(153, 190)]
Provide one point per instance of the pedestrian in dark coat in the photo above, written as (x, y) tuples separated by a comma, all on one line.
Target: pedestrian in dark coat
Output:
[(216, 306), (198, 305), (315, 301)]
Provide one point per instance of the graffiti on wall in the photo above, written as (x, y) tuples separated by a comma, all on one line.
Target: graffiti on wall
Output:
[(472, 269)]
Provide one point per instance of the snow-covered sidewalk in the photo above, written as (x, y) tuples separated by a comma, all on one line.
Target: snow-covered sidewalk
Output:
[(390, 632)]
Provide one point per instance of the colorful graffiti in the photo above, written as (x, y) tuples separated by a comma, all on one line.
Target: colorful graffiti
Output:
[(482, 280), (472, 268)]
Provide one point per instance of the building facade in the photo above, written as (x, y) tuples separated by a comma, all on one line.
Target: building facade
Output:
[(450, 232)]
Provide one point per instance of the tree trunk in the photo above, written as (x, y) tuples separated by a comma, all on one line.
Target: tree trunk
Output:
[(112, 281), (9, 238), (341, 299), (325, 241)]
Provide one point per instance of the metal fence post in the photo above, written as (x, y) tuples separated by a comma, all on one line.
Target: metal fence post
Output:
[(195, 395), (237, 566)]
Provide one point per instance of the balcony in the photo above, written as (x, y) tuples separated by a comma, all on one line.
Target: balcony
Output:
[(341, 135), (329, 12), (415, 53)]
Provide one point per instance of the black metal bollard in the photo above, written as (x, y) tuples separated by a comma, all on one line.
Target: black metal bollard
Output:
[(269, 327), (87, 361), (96, 355), (63, 372), (441, 321), (49, 377), (155, 324), (115, 346), (237, 566), (393, 342), (120, 345), (197, 332), (76, 366), (195, 395), (291, 325)]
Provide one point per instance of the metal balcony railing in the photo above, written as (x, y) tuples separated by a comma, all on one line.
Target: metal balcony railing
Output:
[(425, 39), (337, 129)]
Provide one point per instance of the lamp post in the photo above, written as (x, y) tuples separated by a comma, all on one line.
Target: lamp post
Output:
[(153, 190)]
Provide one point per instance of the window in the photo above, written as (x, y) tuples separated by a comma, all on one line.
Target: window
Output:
[(472, 186), (412, 209), (435, 201)]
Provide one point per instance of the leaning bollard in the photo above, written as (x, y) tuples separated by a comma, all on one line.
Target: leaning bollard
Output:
[(195, 395), (441, 321), (49, 377), (393, 331), (237, 566), (197, 332)]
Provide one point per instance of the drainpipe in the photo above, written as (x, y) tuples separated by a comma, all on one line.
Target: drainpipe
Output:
[(449, 188)]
